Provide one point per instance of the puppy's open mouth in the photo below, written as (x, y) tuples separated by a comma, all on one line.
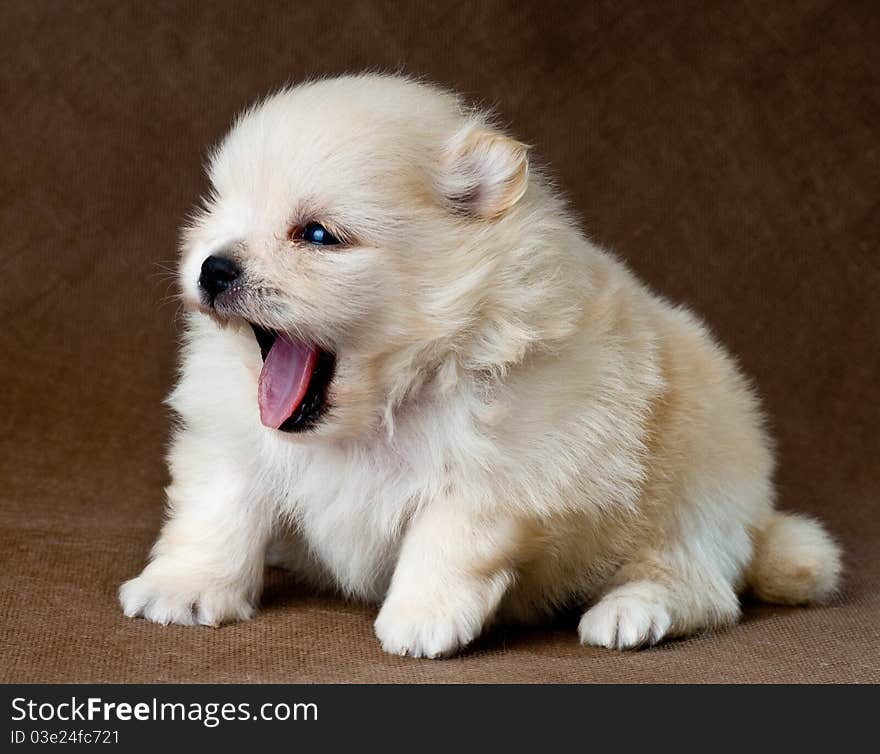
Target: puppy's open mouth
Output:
[(293, 382)]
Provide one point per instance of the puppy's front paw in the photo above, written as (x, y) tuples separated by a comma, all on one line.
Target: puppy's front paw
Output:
[(164, 594), (420, 630), (630, 616)]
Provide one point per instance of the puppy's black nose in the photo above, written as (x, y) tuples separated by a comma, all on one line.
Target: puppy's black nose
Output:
[(217, 275)]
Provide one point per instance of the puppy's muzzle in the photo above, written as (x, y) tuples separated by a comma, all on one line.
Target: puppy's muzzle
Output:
[(217, 275)]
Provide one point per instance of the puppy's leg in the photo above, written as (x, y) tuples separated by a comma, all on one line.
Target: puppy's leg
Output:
[(454, 568), (669, 593), (207, 565)]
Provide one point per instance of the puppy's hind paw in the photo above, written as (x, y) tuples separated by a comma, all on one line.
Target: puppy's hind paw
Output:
[(630, 616), (419, 631)]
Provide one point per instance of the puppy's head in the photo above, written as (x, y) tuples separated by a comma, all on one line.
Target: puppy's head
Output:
[(369, 231)]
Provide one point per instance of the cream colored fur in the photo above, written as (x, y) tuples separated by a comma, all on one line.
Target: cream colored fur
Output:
[(517, 424)]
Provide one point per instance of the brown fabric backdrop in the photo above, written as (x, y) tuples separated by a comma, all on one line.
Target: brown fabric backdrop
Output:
[(729, 152)]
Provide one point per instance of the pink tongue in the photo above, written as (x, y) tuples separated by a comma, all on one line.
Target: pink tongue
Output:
[(284, 380)]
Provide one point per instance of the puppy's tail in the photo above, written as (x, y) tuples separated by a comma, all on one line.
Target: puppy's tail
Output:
[(795, 561)]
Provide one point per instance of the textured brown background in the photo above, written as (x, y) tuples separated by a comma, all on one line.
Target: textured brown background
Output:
[(728, 152)]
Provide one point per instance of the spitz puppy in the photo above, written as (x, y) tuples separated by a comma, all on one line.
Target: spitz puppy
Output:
[(407, 375)]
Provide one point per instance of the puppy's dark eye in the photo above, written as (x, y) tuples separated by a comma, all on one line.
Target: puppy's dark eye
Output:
[(319, 235)]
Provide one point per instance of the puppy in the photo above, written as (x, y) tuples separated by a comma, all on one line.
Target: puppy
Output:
[(408, 376)]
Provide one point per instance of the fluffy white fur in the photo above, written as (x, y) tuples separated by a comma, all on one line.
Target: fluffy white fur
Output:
[(516, 424)]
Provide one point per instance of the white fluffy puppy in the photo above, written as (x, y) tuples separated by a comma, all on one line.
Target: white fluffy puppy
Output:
[(407, 375)]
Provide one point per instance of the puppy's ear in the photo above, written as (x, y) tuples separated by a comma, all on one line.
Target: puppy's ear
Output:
[(484, 173)]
